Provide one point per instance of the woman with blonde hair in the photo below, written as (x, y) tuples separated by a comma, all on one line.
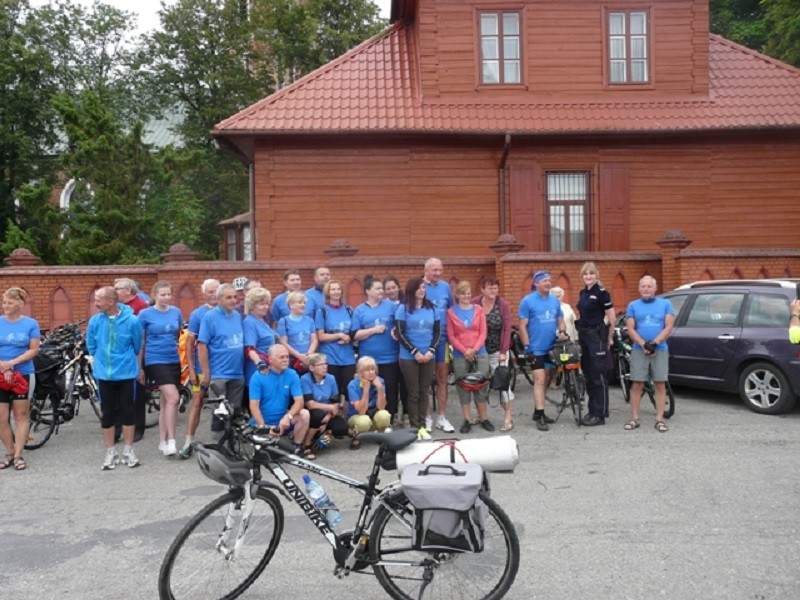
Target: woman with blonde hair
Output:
[(20, 337), (466, 332), (596, 335), (297, 332), (367, 400), (162, 324)]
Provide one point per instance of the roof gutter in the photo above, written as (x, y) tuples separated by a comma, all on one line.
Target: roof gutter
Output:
[(501, 183)]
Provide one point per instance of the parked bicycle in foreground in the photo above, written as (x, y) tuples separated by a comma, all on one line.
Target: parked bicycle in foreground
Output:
[(228, 544)]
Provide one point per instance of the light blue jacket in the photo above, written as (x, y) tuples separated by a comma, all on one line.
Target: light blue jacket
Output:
[(114, 344)]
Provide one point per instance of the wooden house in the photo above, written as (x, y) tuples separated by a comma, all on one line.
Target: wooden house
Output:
[(573, 125)]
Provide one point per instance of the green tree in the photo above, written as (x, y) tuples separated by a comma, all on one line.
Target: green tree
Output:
[(782, 21), (741, 21), (340, 25), (27, 133), (92, 49), (127, 206)]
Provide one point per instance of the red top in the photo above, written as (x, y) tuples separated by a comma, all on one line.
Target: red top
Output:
[(463, 338), (137, 305)]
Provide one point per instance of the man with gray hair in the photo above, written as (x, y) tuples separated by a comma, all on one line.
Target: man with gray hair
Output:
[(128, 294), (649, 320), (221, 350), (209, 291)]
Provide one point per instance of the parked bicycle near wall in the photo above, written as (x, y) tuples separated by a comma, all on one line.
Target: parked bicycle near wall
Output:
[(64, 379), (225, 547), (566, 356)]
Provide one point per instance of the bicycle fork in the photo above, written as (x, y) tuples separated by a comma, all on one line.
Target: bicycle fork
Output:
[(246, 510)]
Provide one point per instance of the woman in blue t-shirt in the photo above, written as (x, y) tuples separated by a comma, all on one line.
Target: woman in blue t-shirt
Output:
[(321, 393), (162, 324), (418, 330), (297, 332), (333, 321), (373, 322), (259, 337), (20, 343)]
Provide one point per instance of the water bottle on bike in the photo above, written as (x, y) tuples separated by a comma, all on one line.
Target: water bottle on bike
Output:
[(322, 501)]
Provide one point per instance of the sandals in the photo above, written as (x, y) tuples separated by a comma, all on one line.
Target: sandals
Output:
[(7, 461), (661, 427), (19, 463), (507, 426), (631, 425), (308, 453), (355, 444)]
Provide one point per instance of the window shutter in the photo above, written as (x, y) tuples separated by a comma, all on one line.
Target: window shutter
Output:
[(613, 208), (527, 206)]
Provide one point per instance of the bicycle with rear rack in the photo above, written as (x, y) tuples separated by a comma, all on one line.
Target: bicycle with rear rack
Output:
[(64, 379), (225, 547), (566, 356)]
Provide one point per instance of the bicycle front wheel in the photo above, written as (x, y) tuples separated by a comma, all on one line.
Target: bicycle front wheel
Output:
[(152, 407), (43, 419), (401, 570), (575, 387), (201, 562)]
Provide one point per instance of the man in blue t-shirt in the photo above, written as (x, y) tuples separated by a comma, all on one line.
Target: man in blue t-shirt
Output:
[(649, 320), (220, 348), (209, 291), (280, 308), (441, 296), (541, 321), (315, 296), (276, 398)]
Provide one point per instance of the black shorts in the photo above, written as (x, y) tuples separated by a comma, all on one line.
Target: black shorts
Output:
[(117, 399), (8, 397), (164, 374), (539, 362)]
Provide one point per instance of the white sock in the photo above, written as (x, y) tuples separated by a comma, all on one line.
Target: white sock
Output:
[(188, 441), (127, 449)]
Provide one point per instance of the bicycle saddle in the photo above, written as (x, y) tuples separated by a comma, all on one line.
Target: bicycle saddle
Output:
[(395, 440)]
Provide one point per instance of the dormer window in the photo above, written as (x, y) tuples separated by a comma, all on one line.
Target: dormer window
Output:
[(501, 48), (628, 47)]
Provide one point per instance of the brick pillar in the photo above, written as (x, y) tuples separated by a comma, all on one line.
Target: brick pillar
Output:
[(504, 244), (671, 245)]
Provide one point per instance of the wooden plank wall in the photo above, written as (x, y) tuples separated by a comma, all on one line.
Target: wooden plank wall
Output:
[(396, 200), (563, 47)]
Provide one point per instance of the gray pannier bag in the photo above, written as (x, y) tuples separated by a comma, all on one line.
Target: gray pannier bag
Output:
[(450, 516)]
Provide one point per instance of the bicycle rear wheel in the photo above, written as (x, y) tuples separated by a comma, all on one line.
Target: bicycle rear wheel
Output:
[(43, 419), (487, 575), (624, 368), (200, 563)]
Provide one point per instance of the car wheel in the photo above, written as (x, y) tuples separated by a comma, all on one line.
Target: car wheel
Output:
[(764, 389)]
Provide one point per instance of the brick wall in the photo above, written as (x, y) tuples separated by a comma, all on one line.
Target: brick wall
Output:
[(63, 294)]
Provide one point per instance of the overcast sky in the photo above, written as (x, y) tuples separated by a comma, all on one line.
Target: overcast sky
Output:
[(148, 9)]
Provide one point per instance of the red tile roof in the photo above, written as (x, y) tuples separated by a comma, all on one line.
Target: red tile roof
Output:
[(374, 89)]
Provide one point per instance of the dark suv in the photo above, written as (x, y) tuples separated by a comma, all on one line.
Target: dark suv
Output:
[(732, 335)]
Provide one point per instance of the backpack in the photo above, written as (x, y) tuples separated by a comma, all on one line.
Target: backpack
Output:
[(450, 517)]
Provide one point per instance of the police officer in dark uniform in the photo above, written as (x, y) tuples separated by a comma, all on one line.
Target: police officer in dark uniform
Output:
[(595, 338)]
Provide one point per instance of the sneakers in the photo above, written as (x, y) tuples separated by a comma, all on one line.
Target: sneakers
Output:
[(110, 461), (129, 459), (429, 423), (541, 423), (487, 425), (443, 424), (465, 427), (546, 418), (169, 448), (185, 452), (423, 434), (162, 445)]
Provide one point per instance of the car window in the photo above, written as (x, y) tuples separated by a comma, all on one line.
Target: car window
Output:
[(677, 304), (767, 310), (718, 309)]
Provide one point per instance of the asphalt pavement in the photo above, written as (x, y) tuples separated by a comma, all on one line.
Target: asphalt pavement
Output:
[(708, 510)]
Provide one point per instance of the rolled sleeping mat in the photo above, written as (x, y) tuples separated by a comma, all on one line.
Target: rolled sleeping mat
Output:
[(497, 454)]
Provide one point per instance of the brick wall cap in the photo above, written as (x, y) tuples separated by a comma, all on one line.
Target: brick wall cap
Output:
[(738, 252), (572, 257), (179, 253), (22, 257)]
